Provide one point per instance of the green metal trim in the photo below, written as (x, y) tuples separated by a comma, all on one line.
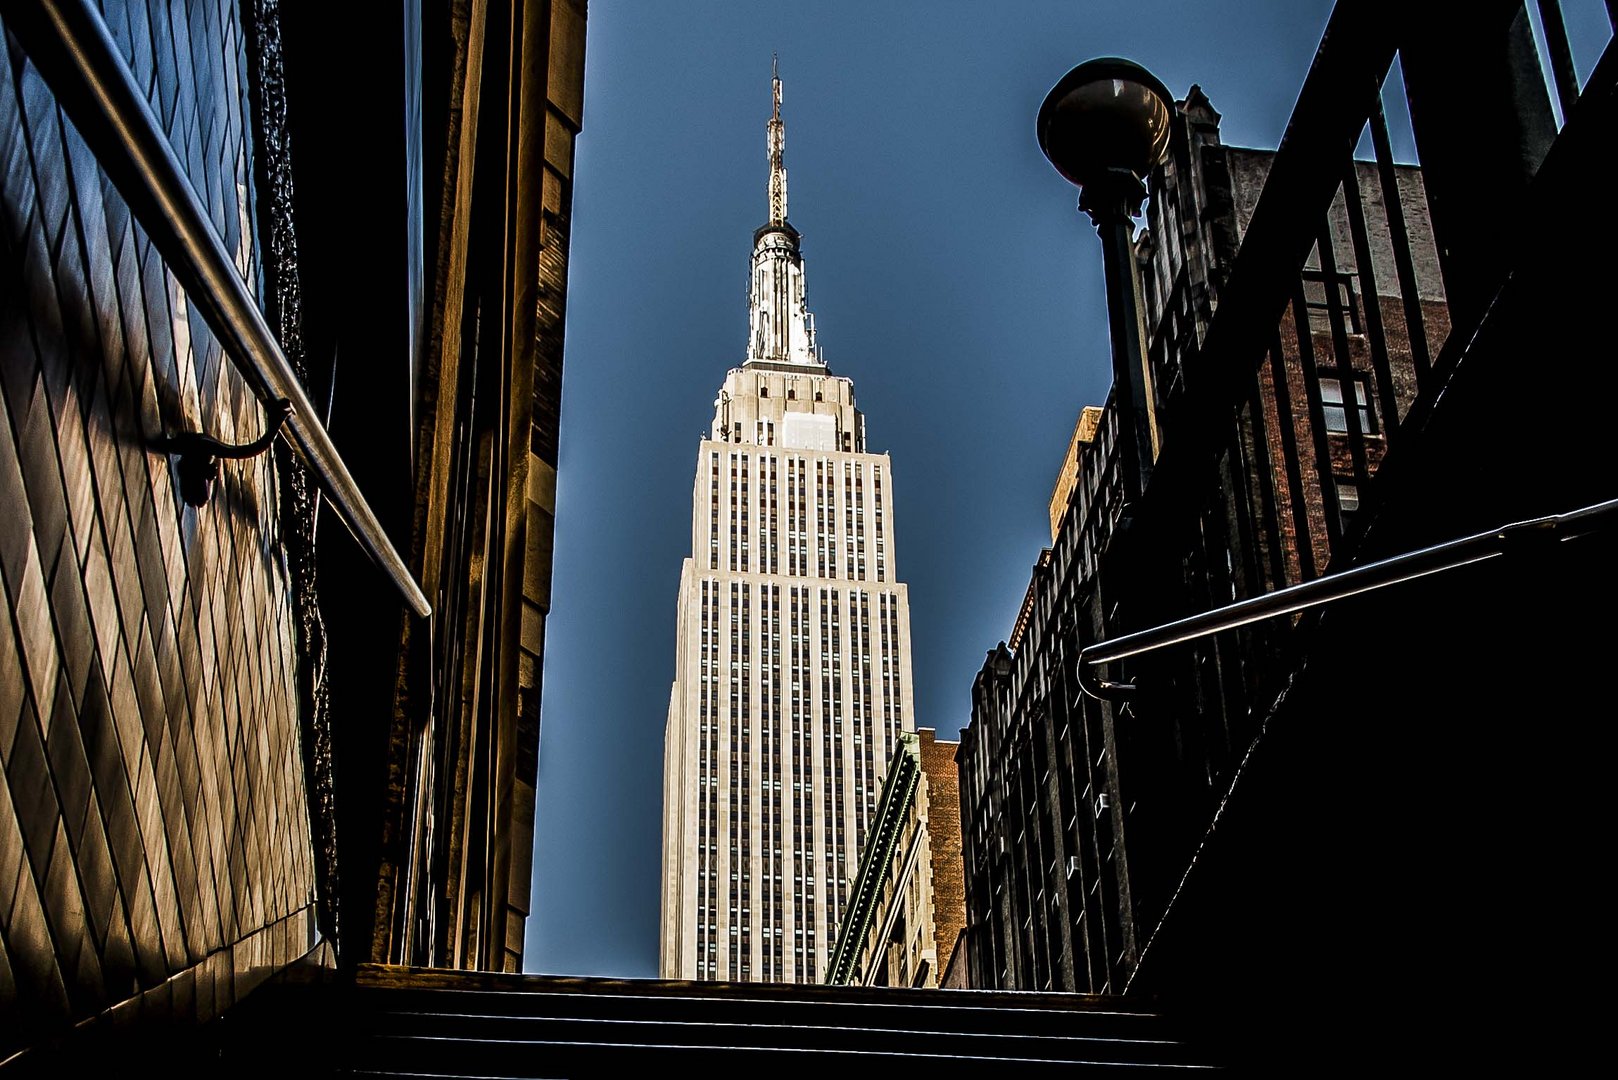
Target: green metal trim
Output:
[(905, 773)]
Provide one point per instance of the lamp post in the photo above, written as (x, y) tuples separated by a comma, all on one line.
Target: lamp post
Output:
[(1104, 126)]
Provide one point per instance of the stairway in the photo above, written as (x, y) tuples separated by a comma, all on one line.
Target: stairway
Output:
[(387, 1021)]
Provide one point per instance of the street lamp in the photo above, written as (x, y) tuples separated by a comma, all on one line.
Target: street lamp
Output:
[(1104, 126)]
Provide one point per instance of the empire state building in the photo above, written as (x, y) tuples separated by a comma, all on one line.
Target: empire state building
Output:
[(792, 667)]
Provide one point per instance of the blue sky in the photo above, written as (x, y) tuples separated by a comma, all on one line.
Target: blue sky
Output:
[(951, 278)]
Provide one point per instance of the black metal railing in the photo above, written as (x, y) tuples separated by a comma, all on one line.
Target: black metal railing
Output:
[(1331, 342), (1517, 538)]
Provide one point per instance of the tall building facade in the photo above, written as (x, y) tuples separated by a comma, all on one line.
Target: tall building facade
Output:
[(792, 671)]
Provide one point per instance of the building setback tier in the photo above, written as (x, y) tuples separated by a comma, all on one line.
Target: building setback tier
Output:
[(792, 685)]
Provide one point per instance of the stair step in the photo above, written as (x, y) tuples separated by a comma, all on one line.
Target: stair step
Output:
[(409, 1023), (423, 1056), (649, 1031), (942, 1015)]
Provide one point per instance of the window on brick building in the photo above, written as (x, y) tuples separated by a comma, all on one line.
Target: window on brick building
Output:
[(1331, 405), (1316, 300)]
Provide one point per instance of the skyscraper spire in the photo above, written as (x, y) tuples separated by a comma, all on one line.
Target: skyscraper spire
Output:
[(777, 144), (792, 683), (780, 328)]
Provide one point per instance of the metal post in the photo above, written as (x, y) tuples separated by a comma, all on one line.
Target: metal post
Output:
[(1478, 108), (1561, 56), (1112, 204)]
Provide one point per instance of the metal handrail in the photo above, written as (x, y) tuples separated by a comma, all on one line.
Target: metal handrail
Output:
[(70, 45), (1449, 555)]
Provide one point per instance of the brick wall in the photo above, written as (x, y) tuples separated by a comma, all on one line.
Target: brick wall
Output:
[(944, 835), (154, 834)]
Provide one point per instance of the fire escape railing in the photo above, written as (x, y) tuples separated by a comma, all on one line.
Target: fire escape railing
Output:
[(69, 43)]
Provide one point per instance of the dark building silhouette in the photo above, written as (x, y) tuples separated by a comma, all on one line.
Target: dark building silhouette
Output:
[(1283, 821), (1054, 913), (502, 103)]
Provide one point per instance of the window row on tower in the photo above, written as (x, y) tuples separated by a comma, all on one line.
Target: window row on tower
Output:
[(799, 748), (801, 517)]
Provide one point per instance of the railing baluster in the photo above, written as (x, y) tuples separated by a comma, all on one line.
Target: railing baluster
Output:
[(1261, 478), (1332, 511), (1561, 56), (1289, 454), (1404, 266), (1348, 386), (1371, 301), (1247, 571), (1227, 653)]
